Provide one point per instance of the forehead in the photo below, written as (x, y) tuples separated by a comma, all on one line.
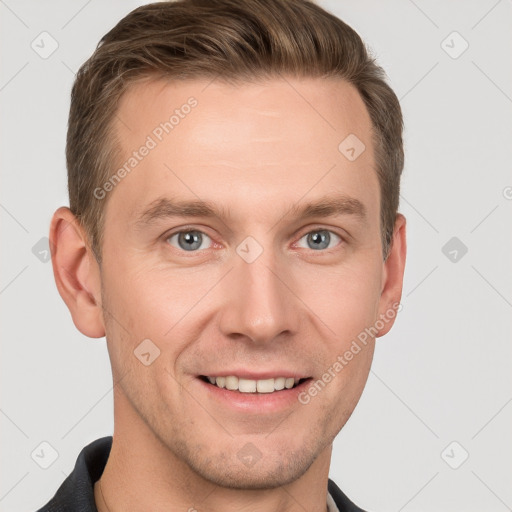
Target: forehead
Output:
[(275, 140)]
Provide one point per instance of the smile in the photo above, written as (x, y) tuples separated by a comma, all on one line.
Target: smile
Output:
[(234, 383)]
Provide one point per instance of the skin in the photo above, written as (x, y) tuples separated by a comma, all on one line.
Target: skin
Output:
[(255, 150)]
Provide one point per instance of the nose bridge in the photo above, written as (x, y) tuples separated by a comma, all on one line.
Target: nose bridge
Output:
[(259, 305)]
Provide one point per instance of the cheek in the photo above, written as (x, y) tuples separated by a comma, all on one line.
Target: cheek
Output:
[(166, 306), (153, 299), (147, 315), (345, 299)]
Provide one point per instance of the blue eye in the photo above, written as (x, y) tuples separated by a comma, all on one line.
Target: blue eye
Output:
[(189, 240), (320, 239)]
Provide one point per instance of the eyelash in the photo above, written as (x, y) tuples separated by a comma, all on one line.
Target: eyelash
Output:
[(315, 230)]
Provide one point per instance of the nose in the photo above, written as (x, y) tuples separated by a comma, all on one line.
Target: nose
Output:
[(259, 304)]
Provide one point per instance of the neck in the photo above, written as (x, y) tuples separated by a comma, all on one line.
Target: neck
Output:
[(143, 474)]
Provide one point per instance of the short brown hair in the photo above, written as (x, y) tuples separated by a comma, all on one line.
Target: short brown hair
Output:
[(227, 39)]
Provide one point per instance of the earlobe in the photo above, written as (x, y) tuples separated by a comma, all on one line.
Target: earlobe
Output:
[(393, 273), (76, 273)]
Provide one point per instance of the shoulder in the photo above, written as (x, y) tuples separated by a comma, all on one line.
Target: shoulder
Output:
[(76, 493), (341, 499)]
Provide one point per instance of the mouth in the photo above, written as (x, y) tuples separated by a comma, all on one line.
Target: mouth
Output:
[(253, 386)]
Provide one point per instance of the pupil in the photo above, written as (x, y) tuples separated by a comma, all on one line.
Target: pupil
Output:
[(320, 240), (191, 239)]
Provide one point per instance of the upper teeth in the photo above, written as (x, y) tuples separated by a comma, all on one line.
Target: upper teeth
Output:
[(234, 383)]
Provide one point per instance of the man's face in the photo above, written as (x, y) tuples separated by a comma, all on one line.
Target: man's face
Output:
[(257, 291)]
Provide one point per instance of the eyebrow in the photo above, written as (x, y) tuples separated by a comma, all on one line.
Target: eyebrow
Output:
[(329, 206)]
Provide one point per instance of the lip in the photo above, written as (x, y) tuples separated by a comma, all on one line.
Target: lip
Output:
[(260, 403), (244, 374)]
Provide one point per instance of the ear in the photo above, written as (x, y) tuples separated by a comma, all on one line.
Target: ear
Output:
[(77, 273), (392, 277)]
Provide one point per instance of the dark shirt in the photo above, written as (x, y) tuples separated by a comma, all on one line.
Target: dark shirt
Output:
[(76, 494)]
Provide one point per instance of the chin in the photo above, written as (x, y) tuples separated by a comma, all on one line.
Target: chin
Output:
[(272, 465), (266, 473)]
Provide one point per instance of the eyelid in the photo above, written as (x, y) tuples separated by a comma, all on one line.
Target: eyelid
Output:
[(310, 230), (303, 232), (321, 227), (187, 229)]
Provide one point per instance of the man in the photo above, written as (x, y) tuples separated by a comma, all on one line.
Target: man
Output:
[(234, 173)]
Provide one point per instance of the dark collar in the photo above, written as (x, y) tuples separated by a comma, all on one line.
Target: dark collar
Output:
[(76, 494)]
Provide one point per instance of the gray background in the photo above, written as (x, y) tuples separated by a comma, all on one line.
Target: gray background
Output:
[(443, 374)]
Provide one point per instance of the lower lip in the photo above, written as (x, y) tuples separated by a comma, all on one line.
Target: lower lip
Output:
[(255, 402)]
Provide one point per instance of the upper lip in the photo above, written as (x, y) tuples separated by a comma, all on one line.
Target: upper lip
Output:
[(252, 375)]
